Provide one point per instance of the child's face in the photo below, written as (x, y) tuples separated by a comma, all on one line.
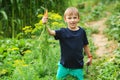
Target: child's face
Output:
[(72, 20)]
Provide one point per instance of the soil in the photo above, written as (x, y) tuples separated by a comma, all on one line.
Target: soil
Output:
[(104, 46)]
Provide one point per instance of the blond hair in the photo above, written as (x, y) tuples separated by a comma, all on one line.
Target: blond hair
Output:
[(71, 11)]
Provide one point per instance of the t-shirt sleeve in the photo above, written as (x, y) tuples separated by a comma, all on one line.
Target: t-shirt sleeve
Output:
[(85, 39), (58, 34)]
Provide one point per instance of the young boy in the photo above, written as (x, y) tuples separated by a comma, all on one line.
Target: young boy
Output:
[(72, 40)]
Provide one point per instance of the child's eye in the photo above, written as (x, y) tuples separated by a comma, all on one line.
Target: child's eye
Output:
[(69, 17), (74, 17)]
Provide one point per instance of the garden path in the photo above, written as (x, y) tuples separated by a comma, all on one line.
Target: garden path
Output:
[(100, 40)]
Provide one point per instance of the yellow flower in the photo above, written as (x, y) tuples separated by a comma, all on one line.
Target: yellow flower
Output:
[(15, 49), (28, 31), (26, 28), (27, 51), (40, 22), (39, 25), (55, 24), (24, 65), (40, 15), (55, 16), (23, 28), (4, 71), (18, 63)]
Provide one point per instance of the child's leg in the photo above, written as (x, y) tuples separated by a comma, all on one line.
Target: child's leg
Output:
[(62, 72), (77, 73)]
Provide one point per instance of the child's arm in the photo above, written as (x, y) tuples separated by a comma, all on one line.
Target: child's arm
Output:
[(87, 51), (51, 32), (44, 21)]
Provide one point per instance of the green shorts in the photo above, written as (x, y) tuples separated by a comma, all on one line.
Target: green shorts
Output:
[(63, 72)]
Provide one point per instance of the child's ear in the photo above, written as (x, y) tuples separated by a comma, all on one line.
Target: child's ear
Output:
[(64, 19), (78, 19)]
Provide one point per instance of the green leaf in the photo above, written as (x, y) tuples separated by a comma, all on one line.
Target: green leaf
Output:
[(0, 2), (11, 1), (5, 17), (1, 50)]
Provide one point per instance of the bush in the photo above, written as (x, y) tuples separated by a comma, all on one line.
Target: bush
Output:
[(113, 29)]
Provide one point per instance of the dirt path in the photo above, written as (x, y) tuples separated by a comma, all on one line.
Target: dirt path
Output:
[(100, 40)]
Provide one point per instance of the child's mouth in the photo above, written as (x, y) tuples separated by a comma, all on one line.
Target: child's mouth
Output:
[(72, 23)]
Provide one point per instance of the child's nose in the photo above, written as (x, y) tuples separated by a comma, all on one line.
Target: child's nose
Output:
[(72, 19)]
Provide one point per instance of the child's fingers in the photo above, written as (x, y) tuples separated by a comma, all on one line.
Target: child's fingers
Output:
[(44, 20), (89, 62)]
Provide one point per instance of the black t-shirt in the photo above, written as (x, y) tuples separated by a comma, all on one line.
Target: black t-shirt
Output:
[(71, 44)]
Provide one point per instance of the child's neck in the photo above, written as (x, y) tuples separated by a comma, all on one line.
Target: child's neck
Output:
[(74, 29)]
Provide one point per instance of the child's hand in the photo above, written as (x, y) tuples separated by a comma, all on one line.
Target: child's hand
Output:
[(45, 17), (89, 62)]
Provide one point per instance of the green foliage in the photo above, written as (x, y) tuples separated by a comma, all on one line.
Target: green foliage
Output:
[(15, 14), (25, 72), (25, 59), (106, 68), (36, 58), (97, 12), (55, 21), (113, 29), (69, 77), (109, 1), (117, 7), (5, 17), (11, 50)]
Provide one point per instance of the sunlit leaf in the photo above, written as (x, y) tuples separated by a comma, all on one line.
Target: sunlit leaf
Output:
[(5, 17), (11, 1)]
